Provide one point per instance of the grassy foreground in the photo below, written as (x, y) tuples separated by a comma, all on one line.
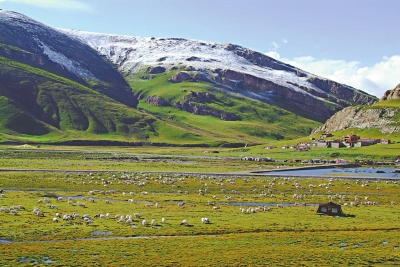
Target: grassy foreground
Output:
[(289, 236)]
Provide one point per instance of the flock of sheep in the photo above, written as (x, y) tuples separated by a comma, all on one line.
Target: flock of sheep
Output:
[(211, 189)]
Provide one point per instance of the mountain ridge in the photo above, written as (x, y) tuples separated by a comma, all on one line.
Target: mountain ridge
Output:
[(214, 60), (98, 87)]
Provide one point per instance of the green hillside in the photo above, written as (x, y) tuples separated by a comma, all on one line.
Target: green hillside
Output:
[(39, 106), (36, 103), (259, 121)]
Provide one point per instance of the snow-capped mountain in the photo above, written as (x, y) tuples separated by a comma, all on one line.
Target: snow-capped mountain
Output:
[(142, 88), (239, 69)]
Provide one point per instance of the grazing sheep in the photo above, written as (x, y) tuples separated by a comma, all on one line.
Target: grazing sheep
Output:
[(205, 220), (393, 203), (137, 215), (4, 209), (163, 220), (13, 211), (55, 220), (181, 204), (144, 223), (153, 222), (184, 222)]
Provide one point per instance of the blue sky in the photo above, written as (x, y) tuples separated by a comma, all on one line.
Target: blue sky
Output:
[(351, 41)]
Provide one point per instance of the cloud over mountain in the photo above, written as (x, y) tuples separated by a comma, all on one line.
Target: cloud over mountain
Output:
[(374, 79)]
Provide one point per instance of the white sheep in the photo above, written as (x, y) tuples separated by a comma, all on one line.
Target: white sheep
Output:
[(205, 220), (184, 222), (163, 220), (55, 220), (144, 222), (153, 222)]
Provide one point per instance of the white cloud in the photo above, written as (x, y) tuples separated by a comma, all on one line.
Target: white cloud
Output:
[(284, 41), (376, 79), (273, 54), (68, 4)]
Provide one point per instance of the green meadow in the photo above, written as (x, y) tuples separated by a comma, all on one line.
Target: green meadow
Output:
[(246, 225)]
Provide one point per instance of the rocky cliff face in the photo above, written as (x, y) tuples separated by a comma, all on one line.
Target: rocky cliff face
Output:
[(392, 94), (362, 118)]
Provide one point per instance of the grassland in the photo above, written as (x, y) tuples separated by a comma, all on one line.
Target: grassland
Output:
[(290, 236)]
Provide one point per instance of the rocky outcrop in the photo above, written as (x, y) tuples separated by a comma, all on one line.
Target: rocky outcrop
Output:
[(156, 70), (201, 97), (205, 111), (392, 94), (189, 104), (157, 101), (181, 77), (362, 118)]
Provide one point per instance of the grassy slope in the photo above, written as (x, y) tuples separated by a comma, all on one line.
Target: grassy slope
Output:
[(260, 121), (44, 107), (71, 110)]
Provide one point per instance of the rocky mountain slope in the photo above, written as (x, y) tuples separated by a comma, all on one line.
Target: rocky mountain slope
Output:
[(232, 67), (62, 85), (384, 115)]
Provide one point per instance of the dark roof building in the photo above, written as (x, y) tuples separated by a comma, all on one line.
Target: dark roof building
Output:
[(330, 208)]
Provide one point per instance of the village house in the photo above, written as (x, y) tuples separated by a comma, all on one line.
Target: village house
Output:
[(366, 142), (350, 139), (330, 209)]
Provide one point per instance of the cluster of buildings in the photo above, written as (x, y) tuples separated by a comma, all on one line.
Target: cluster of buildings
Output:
[(347, 141), (351, 140)]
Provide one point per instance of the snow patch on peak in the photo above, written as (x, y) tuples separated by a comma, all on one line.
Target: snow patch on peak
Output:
[(65, 62), (128, 52)]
